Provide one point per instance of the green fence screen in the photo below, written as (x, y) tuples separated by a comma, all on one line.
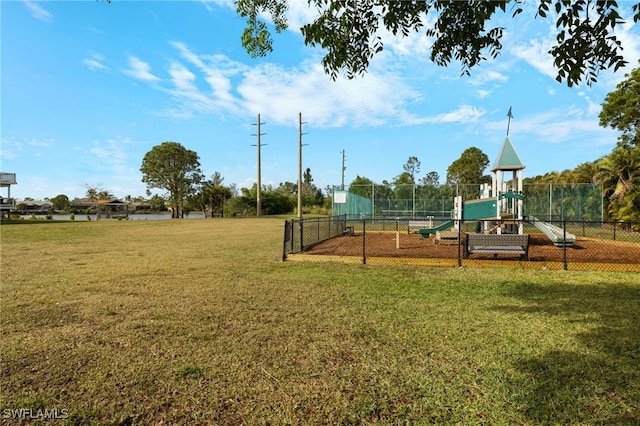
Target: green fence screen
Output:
[(549, 201)]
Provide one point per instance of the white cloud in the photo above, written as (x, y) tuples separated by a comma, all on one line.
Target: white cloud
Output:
[(182, 78), (300, 13), (95, 62), (628, 35), (535, 53), (112, 151), (42, 143), (230, 4), (559, 126), (9, 149), (110, 165), (218, 71), (191, 100), (37, 11), (483, 93), (630, 39), (94, 65), (481, 77), (12, 149), (464, 114), (205, 84), (140, 70), (282, 93)]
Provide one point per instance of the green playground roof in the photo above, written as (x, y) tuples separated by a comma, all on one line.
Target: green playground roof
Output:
[(507, 158)]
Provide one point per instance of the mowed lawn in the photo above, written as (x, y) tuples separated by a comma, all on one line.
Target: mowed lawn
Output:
[(199, 322)]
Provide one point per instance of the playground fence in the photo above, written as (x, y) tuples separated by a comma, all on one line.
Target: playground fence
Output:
[(561, 245), (552, 201)]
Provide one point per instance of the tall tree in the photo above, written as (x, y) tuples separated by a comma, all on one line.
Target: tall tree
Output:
[(274, 201), (362, 186), (412, 167), (349, 31), (469, 168), (619, 172), (212, 195), (172, 167), (585, 173), (431, 179), (403, 186), (61, 202), (621, 109), (288, 187), (95, 193), (157, 203)]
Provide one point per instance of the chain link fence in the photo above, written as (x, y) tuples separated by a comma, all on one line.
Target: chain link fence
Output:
[(551, 201), (441, 241)]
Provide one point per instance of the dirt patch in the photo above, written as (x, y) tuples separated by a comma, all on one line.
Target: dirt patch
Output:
[(540, 249)]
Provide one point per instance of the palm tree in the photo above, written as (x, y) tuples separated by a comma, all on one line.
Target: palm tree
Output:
[(585, 173), (92, 195), (619, 172)]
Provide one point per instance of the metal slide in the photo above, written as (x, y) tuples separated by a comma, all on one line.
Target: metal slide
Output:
[(555, 233), (425, 232)]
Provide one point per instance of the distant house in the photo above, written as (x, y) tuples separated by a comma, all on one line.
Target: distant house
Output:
[(105, 209), (82, 204), (113, 209), (140, 207), (35, 206)]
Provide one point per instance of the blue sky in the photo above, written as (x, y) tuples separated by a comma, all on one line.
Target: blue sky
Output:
[(88, 88)]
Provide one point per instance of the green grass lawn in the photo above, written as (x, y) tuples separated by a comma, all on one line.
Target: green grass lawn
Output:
[(198, 322)]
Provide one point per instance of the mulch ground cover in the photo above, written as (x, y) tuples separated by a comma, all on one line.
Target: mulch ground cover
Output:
[(541, 249)]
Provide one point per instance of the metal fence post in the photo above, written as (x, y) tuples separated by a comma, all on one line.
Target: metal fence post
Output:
[(459, 242), (564, 245), (364, 244), (301, 236), (284, 240)]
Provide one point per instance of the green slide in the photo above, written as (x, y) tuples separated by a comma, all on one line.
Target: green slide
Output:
[(426, 232)]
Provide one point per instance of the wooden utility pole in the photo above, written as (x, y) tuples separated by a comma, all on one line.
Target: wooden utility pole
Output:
[(343, 169), (300, 123), (259, 188)]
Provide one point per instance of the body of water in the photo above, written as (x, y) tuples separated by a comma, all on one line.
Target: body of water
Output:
[(131, 216)]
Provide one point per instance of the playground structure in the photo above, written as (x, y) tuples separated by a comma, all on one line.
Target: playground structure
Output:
[(480, 223), (500, 206), (503, 207)]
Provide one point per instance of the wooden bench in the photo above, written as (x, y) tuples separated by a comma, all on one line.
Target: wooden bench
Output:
[(497, 244)]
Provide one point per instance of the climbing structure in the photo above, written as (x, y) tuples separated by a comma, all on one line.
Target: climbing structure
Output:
[(500, 202), (508, 187)]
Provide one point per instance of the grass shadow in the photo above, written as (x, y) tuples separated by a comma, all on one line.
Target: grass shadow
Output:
[(595, 376)]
